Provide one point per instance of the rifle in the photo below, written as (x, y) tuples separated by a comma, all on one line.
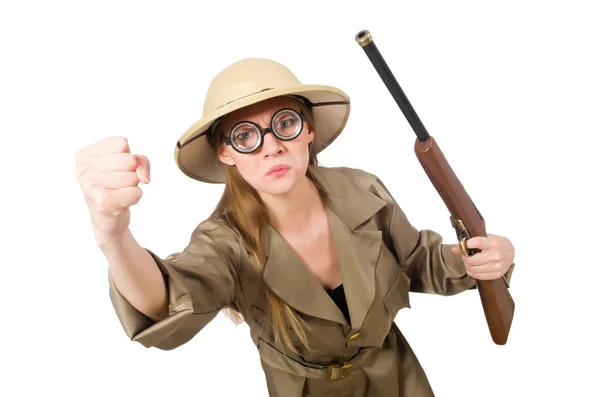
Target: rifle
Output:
[(465, 218)]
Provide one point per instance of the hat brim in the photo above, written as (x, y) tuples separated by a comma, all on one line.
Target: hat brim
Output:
[(196, 158)]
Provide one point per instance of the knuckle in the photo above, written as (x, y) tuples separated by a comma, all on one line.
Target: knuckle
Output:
[(138, 191), (103, 203), (100, 205), (80, 173), (81, 168), (105, 209), (86, 180), (122, 143), (91, 181), (88, 184), (138, 194), (83, 174), (133, 196)]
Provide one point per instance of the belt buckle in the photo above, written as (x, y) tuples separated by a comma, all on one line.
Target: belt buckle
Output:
[(344, 367)]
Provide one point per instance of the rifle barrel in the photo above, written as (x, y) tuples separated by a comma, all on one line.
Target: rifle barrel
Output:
[(366, 42)]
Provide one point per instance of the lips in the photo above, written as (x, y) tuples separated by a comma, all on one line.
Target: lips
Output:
[(278, 168)]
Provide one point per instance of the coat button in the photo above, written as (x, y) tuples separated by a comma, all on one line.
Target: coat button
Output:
[(354, 336)]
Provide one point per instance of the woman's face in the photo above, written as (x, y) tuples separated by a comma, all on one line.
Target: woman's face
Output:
[(257, 168)]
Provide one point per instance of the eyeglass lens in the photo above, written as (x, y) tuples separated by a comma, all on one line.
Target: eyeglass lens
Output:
[(286, 124)]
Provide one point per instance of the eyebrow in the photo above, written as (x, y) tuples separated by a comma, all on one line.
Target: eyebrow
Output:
[(270, 117)]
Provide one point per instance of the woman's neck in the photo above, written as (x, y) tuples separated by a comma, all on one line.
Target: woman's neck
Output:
[(295, 210)]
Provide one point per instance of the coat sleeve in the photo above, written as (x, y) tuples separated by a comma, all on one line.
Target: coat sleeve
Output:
[(424, 258), (200, 281)]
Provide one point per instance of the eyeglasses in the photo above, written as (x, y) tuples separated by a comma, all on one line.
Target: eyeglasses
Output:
[(247, 137)]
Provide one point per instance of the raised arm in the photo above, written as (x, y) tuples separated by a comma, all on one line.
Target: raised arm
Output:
[(199, 282), (160, 302)]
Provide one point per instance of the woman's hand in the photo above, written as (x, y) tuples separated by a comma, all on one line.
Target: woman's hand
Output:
[(496, 256), (109, 176)]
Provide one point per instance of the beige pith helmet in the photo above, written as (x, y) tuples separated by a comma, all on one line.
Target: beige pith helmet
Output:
[(242, 84)]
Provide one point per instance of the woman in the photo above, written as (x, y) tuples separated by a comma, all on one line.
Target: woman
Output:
[(318, 261)]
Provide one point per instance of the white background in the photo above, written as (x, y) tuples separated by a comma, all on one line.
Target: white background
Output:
[(510, 90)]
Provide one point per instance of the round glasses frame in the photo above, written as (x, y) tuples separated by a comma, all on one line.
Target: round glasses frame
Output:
[(262, 132)]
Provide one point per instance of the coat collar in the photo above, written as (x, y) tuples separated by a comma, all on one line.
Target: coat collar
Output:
[(348, 205)]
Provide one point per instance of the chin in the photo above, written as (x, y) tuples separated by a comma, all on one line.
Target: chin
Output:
[(278, 186)]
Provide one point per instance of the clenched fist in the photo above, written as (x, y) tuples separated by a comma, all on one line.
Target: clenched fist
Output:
[(109, 176)]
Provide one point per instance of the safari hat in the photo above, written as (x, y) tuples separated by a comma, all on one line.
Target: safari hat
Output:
[(242, 84)]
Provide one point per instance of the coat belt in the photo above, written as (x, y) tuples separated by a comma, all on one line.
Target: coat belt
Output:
[(274, 358)]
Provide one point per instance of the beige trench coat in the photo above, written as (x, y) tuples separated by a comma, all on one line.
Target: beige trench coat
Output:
[(382, 258)]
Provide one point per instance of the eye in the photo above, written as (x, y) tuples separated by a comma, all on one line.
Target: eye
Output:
[(243, 135), (286, 123), (243, 132)]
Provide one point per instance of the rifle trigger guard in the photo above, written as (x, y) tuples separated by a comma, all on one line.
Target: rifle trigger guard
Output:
[(463, 247), (463, 235)]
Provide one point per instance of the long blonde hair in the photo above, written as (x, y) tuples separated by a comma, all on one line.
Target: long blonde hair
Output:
[(241, 206)]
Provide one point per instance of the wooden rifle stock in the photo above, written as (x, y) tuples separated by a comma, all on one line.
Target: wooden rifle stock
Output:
[(497, 302)]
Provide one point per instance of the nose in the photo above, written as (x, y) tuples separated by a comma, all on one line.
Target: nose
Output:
[(271, 145)]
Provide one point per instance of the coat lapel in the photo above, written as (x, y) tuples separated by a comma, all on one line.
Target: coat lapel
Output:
[(288, 277), (348, 207), (357, 253)]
